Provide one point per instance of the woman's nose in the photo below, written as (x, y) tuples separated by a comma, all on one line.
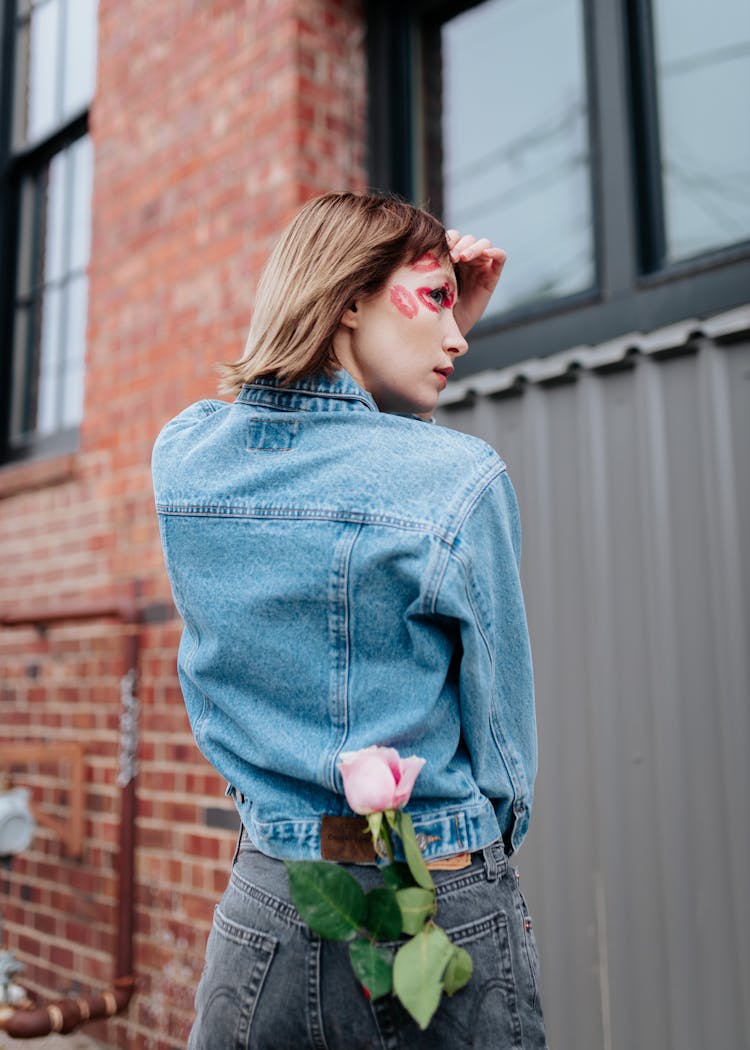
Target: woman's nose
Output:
[(454, 342)]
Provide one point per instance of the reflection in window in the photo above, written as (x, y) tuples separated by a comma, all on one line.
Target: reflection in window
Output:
[(55, 57), (703, 85), (514, 144)]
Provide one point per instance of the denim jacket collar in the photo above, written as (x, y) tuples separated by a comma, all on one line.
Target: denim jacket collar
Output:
[(314, 393)]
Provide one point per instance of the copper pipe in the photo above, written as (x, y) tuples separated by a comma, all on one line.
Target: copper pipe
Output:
[(67, 1014)]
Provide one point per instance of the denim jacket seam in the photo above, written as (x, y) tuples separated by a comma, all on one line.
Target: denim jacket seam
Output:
[(286, 409), (476, 490), (493, 471), (208, 408), (306, 513), (510, 759), (506, 752), (476, 613), (341, 663)]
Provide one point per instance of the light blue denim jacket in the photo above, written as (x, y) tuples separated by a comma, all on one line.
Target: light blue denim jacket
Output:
[(348, 577)]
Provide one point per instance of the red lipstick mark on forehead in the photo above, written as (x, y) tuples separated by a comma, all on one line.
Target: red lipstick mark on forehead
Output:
[(426, 263), (404, 301)]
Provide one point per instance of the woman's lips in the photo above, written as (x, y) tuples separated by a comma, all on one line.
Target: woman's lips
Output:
[(444, 373)]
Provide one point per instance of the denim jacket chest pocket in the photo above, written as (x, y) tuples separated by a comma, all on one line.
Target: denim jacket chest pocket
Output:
[(271, 435)]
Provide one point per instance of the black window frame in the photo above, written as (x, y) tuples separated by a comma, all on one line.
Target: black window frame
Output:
[(633, 290), (16, 165)]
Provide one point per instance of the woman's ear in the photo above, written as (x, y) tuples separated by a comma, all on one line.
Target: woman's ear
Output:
[(350, 318)]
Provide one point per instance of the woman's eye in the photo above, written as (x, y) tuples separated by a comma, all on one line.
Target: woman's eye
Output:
[(437, 299)]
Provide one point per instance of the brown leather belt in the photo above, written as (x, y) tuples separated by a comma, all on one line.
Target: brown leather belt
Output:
[(348, 840)]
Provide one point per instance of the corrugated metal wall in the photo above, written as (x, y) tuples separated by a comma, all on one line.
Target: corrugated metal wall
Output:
[(631, 464)]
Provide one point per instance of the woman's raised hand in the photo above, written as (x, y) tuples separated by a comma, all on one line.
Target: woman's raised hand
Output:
[(480, 266)]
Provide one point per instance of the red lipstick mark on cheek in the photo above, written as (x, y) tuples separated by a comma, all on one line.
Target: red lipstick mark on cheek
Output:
[(404, 301), (426, 263)]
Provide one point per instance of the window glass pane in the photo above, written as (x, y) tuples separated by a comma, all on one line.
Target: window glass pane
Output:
[(54, 246), (49, 368), (20, 87), (73, 389), (82, 160), (42, 82), (75, 328), (703, 85), (19, 382), (25, 239), (77, 302), (80, 54), (515, 143), (75, 345)]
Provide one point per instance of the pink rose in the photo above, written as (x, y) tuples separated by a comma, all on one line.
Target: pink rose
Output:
[(377, 778)]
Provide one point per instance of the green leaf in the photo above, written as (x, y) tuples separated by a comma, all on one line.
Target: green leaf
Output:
[(416, 905), (328, 898), (458, 971), (372, 967), (412, 852), (383, 914), (397, 876), (418, 973)]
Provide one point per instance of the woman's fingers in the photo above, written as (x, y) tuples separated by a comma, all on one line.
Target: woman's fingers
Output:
[(480, 264), (468, 247)]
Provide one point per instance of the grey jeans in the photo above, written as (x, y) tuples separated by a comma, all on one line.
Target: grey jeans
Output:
[(270, 984)]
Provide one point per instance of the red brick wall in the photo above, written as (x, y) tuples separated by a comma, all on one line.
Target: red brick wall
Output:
[(62, 684), (212, 122)]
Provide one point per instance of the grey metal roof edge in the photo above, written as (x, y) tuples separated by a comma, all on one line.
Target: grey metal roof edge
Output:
[(567, 363)]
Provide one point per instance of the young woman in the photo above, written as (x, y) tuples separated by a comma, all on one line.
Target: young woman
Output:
[(348, 575)]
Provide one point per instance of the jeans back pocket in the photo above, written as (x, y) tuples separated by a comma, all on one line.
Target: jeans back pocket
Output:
[(224, 1004)]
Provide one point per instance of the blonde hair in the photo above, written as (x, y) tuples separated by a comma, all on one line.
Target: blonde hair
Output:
[(339, 248)]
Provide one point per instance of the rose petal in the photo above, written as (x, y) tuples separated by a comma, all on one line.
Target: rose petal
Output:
[(369, 785), (391, 757), (410, 770)]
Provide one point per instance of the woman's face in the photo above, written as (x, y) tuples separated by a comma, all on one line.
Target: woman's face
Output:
[(401, 344)]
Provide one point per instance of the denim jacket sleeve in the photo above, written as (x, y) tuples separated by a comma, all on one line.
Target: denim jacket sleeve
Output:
[(481, 588)]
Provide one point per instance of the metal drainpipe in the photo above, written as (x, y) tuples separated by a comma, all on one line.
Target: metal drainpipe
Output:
[(65, 1015)]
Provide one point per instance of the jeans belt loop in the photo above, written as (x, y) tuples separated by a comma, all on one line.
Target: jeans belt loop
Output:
[(490, 862)]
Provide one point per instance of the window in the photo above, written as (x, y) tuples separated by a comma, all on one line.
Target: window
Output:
[(47, 174), (526, 184), (604, 144), (701, 153)]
